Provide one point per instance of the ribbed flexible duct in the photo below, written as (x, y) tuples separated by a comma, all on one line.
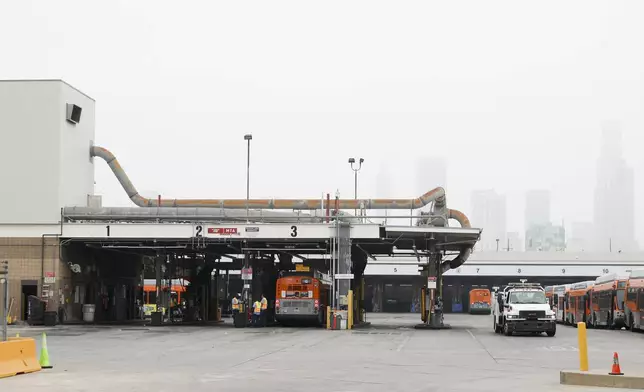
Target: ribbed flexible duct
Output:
[(437, 196)]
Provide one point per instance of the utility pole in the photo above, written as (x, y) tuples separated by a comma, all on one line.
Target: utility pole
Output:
[(352, 161), (4, 280), (248, 137)]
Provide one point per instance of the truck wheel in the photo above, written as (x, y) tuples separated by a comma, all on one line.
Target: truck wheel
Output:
[(506, 329), (552, 333)]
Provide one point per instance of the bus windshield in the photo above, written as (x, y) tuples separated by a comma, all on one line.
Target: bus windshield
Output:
[(620, 299), (527, 297)]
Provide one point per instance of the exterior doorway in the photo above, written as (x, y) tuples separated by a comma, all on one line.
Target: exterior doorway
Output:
[(28, 288)]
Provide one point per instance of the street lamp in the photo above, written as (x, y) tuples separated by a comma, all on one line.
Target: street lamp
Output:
[(248, 137), (352, 161)]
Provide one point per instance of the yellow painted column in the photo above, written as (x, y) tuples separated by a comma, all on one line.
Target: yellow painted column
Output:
[(328, 317), (350, 309), (583, 346)]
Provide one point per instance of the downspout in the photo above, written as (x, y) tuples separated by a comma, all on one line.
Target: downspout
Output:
[(42, 250)]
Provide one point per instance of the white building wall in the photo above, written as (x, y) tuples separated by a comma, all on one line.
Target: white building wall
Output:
[(37, 148), (77, 170)]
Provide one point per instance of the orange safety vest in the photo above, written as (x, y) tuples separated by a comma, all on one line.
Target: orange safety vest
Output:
[(257, 307), (235, 304), (264, 304)]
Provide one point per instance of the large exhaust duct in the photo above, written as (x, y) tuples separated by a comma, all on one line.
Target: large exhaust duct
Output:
[(435, 196)]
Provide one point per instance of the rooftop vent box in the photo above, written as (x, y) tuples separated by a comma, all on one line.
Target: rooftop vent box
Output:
[(94, 201), (73, 113)]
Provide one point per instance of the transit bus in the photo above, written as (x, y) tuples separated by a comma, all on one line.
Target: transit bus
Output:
[(178, 286), (608, 297), (579, 304), (634, 306), (480, 301), (301, 299), (559, 302)]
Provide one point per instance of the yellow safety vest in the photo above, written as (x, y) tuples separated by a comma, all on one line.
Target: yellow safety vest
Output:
[(257, 307), (264, 304), (235, 304)]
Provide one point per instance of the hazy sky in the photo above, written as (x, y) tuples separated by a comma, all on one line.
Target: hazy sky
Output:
[(513, 93)]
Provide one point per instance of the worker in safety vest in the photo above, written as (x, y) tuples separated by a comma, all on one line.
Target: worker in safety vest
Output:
[(257, 312), (235, 303), (264, 304)]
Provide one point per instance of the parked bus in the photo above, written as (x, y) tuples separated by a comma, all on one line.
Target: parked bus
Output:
[(635, 301), (608, 301), (480, 301), (301, 299), (150, 294), (578, 301), (550, 291), (559, 302)]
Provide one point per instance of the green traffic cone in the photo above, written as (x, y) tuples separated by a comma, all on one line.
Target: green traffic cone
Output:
[(44, 354)]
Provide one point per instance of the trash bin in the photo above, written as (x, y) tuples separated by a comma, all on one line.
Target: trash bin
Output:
[(50, 318), (157, 318), (35, 310), (240, 320), (88, 313)]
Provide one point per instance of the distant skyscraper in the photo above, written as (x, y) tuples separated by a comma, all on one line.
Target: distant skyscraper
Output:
[(545, 238), (489, 213), (513, 241), (581, 237), (537, 207), (614, 203), (431, 172)]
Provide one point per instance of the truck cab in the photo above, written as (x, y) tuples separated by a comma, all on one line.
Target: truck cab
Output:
[(523, 307)]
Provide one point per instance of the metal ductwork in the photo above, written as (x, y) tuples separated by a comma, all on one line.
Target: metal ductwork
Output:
[(188, 214), (435, 196)]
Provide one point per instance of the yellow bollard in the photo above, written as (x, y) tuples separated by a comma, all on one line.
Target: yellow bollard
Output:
[(350, 309), (328, 317), (583, 347)]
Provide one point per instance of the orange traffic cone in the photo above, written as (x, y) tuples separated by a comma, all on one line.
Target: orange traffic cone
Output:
[(616, 370)]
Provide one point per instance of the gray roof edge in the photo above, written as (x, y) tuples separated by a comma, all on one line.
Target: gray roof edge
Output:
[(47, 80)]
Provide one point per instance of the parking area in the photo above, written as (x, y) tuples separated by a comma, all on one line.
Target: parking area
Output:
[(388, 356)]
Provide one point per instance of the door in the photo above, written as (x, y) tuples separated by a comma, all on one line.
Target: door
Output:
[(28, 288)]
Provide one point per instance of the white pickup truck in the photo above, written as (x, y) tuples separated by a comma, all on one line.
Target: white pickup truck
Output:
[(523, 307)]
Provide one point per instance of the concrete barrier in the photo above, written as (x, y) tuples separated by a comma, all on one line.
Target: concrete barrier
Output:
[(18, 356), (597, 379)]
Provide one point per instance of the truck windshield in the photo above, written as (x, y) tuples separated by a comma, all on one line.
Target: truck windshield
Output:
[(527, 297)]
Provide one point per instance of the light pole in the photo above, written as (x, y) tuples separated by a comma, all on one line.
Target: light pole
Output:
[(352, 161), (248, 137)]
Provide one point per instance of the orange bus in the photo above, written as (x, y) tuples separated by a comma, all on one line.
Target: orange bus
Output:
[(559, 302), (578, 301), (480, 301), (635, 301), (301, 299), (177, 287), (608, 296)]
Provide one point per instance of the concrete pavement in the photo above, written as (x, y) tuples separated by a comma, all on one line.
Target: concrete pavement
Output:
[(390, 355)]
